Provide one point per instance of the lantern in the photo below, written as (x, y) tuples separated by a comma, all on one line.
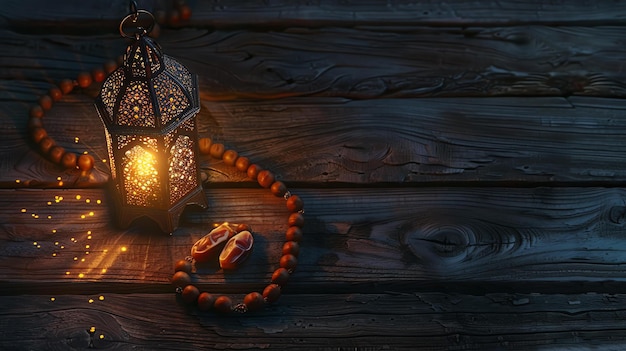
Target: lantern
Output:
[(148, 107)]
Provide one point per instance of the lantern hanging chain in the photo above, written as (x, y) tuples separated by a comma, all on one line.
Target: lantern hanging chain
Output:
[(133, 11), (133, 17)]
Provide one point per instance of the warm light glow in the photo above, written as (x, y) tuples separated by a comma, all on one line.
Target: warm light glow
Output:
[(141, 176), (123, 249)]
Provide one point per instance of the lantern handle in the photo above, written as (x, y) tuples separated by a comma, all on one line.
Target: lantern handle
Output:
[(133, 17)]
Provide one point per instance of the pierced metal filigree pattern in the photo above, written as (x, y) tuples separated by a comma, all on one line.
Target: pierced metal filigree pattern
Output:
[(136, 106), (189, 125), (171, 99), (179, 71), (137, 63), (110, 90), (107, 135), (182, 168)]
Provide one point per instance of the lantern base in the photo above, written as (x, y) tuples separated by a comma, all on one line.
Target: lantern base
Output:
[(167, 219)]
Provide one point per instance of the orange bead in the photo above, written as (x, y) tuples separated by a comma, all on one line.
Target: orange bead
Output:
[(98, 74), (280, 276), (174, 17), (69, 160), (278, 188), (38, 134), (36, 111), (185, 12), (205, 301), (34, 122), (46, 144), (190, 294), (253, 171), (56, 153), (85, 162), (291, 248), (265, 178), (110, 66), (242, 163), (181, 279), (223, 304), (183, 265), (271, 293), (230, 157), (288, 262), (296, 219), (55, 93), (84, 79), (217, 150), (254, 301), (66, 86), (204, 145), (294, 203), (45, 102), (293, 234)]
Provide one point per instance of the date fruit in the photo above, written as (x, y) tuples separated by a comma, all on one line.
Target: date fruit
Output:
[(236, 250), (209, 245)]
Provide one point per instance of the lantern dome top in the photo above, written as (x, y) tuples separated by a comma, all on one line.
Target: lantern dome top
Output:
[(151, 92)]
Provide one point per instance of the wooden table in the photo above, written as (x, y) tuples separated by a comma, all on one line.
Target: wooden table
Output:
[(462, 166)]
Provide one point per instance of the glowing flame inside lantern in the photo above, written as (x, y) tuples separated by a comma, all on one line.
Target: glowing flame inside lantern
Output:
[(141, 180)]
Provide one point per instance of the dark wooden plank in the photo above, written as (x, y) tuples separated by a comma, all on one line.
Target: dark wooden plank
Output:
[(428, 140), (424, 321), (98, 14), (355, 240), (421, 141), (355, 63)]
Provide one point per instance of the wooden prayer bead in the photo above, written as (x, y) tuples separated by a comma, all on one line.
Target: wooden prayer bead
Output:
[(288, 261), (271, 293), (223, 304), (294, 203), (278, 188), (280, 276), (265, 178), (230, 157), (254, 301)]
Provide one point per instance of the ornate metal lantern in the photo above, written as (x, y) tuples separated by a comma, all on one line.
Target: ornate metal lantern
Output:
[(148, 107)]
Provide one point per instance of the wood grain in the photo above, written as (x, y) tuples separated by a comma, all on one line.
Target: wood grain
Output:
[(356, 63), (253, 13), (358, 239), (424, 321), (336, 141)]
